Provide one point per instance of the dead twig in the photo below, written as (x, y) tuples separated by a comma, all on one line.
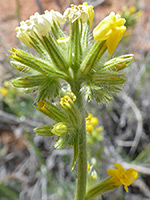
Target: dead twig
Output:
[(41, 10), (13, 120), (142, 186), (138, 116), (96, 3)]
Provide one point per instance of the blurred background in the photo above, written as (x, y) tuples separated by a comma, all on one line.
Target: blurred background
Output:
[(30, 168)]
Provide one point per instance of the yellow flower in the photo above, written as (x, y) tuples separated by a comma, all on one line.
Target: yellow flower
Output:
[(3, 91), (94, 121), (68, 100), (89, 116), (99, 129), (122, 177), (72, 95), (91, 122), (139, 14), (89, 127), (132, 9), (111, 29), (90, 11)]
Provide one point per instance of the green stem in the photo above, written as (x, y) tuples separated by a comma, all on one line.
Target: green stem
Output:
[(82, 165), (82, 149)]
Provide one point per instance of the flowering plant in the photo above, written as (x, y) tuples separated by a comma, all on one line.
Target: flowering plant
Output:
[(70, 70)]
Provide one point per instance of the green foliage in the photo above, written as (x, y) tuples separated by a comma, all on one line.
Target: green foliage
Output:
[(8, 193), (144, 156)]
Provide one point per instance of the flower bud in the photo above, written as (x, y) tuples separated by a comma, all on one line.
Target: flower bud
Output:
[(59, 129), (119, 63)]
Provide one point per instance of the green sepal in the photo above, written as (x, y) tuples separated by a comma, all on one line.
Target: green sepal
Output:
[(75, 156), (118, 63), (73, 113), (44, 130), (93, 55), (21, 67), (37, 45), (52, 111), (75, 47), (54, 52), (57, 31), (33, 62), (101, 78), (101, 188), (85, 37), (67, 140), (29, 81)]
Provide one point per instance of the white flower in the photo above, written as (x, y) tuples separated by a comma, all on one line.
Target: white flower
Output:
[(25, 31), (41, 25), (76, 12), (56, 16)]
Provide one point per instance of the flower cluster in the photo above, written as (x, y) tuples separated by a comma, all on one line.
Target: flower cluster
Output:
[(91, 122), (39, 25), (131, 15), (68, 72), (93, 132)]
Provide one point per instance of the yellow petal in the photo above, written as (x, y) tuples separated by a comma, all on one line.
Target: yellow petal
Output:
[(114, 39), (63, 39), (126, 188), (113, 172), (119, 167), (120, 22), (132, 175), (102, 32)]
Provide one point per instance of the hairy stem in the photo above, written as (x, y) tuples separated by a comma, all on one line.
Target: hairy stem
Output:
[(82, 150)]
